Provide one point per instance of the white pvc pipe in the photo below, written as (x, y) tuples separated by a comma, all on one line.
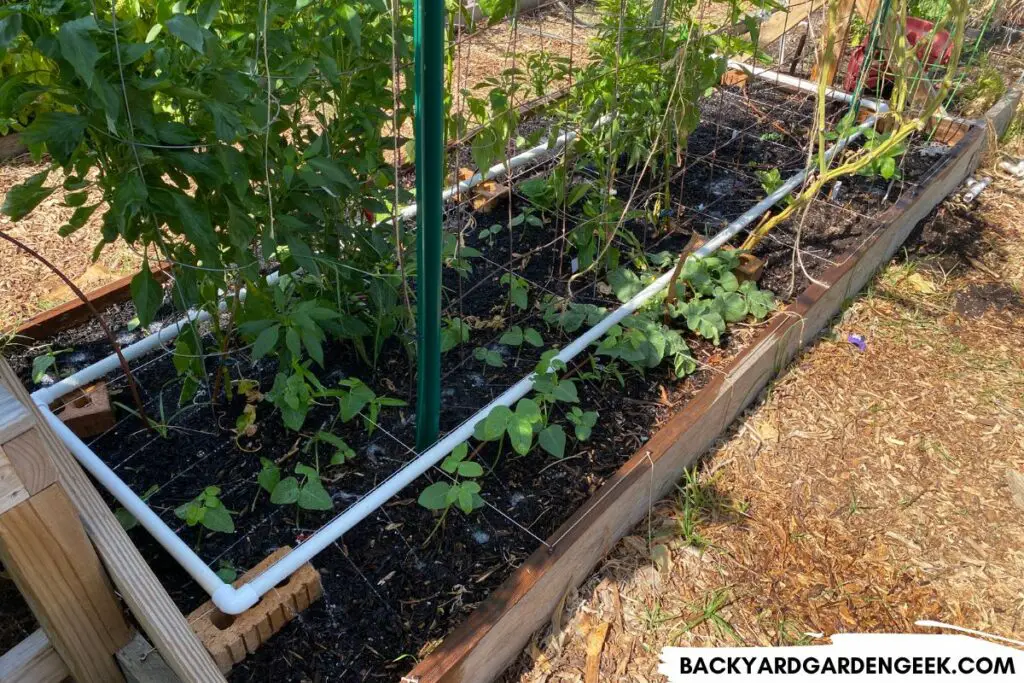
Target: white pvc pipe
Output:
[(498, 170), (806, 85), (164, 535), (235, 601), (975, 187), (104, 366)]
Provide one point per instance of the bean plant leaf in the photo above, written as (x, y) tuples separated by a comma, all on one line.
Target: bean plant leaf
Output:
[(286, 492), (565, 391), (10, 28), (147, 294), (40, 365), (218, 519), (492, 427), (313, 496), (185, 29), (78, 219), (520, 433), (532, 337), (513, 336), (552, 440), (435, 496), (269, 477), (22, 199), (470, 469), (355, 400), (208, 12)]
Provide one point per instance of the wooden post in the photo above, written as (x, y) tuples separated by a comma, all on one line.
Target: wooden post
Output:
[(841, 31), (48, 554), (149, 603)]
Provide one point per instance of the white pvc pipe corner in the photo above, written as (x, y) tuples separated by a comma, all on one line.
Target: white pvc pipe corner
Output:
[(235, 601)]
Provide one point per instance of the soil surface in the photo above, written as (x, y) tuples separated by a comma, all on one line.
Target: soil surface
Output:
[(402, 579)]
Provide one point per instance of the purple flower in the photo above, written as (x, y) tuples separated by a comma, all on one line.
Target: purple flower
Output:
[(858, 341)]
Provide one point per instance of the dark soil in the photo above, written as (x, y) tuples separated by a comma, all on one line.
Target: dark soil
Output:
[(401, 580)]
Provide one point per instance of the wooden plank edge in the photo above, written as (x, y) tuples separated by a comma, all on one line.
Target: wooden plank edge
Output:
[(75, 312), (135, 581), (33, 660), (495, 633)]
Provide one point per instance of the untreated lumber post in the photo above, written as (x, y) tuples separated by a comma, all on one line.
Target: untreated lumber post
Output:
[(48, 554), (149, 603), (33, 660)]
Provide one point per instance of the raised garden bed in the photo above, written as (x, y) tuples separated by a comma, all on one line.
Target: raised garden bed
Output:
[(381, 604)]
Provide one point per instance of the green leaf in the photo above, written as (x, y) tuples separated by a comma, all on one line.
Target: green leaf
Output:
[(208, 12), (527, 409), (78, 219), (313, 496), (78, 48), (492, 427), (218, 519), (532, 337), (355, 400), (625, 284), (22, 199), (519, 297), (552, 440), (133, 52), (470, 469), (40, 364), (466, 501), (10, 28), (520, 433), (146, 293), (292, 343), (760, 302), (185, 29), (265, 342), (731, 305), (286, 492), (270, 476), (435, 496), (335, 172), (342, 451), (888, 168), (565, 391), (728, 282), (513, 336), (227, 573)]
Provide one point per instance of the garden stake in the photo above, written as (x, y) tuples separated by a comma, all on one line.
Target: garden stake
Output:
[(428, 37)]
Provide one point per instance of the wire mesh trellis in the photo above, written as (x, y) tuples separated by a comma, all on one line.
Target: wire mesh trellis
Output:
[(240, 139)]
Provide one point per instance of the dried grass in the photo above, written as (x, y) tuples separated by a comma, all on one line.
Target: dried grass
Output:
[(26, 286), (866, 491)]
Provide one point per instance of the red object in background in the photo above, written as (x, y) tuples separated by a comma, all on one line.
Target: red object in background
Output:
[(918, 30)]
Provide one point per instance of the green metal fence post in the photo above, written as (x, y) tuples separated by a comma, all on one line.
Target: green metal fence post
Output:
[(428, 36)]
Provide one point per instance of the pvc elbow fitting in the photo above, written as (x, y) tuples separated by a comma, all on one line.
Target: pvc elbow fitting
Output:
[(231, 600)]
